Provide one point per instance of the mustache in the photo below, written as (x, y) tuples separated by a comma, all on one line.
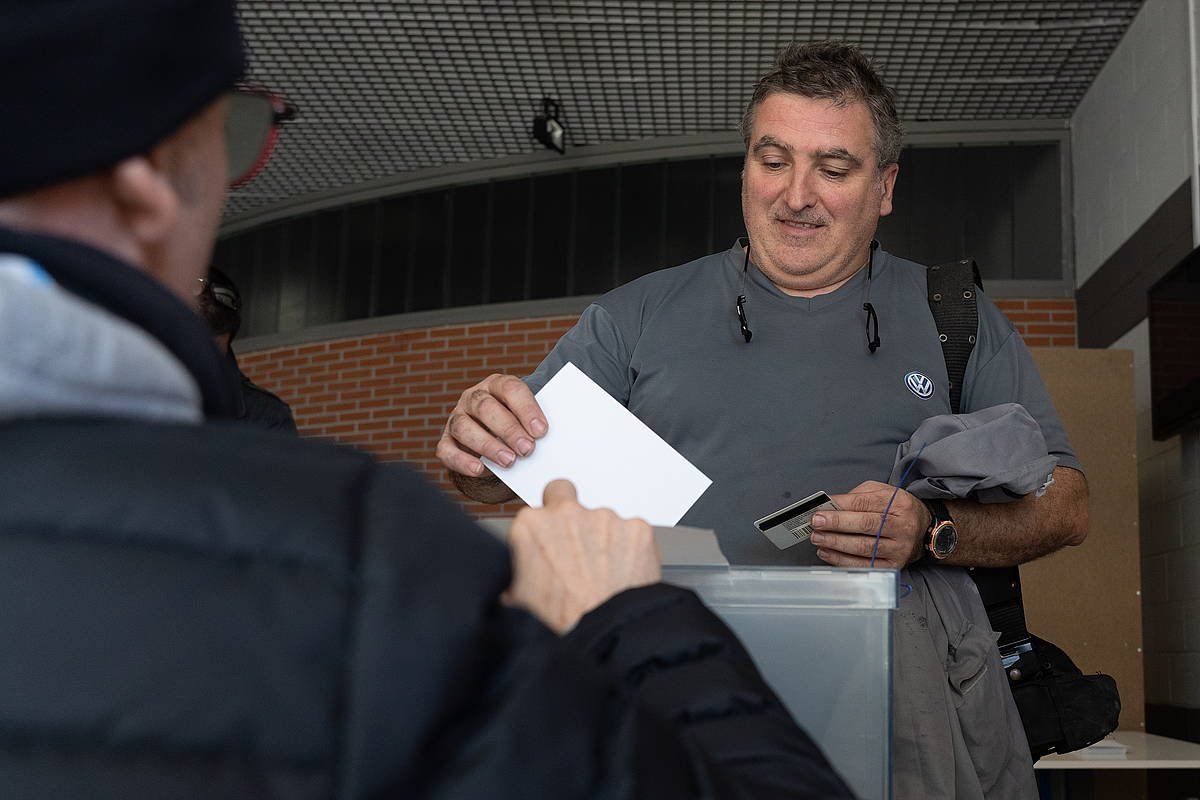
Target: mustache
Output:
[(807, 219)]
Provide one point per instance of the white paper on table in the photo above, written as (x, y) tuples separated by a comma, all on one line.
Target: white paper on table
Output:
[(613, 459)]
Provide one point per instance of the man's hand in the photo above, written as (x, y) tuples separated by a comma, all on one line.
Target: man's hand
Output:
[(567, 560), (498, 418), (846, 537)]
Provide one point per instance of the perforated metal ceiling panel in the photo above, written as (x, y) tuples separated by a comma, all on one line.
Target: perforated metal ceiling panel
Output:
[(384, 88)]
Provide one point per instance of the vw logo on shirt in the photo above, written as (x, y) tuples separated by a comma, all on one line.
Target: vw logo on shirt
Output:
[(919, 385)]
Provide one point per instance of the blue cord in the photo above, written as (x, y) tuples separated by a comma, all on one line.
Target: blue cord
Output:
[(883, 520)]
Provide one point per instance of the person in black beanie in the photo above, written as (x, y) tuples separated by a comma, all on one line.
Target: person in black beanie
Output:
[(220, 306), (194, 608)]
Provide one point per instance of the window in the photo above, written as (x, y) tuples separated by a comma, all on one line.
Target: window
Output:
[(583, 232)]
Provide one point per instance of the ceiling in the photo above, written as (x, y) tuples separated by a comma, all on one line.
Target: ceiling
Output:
[(384, 88)]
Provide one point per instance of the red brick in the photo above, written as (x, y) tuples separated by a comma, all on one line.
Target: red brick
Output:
[(406, 424), (505, 338), (428, 411), (486, 328), (465, 363), (325, 358), (378, 383), (1053, 328), (1056, 305), (528, 325)]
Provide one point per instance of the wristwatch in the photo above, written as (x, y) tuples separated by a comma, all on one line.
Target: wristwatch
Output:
[(941, 537)]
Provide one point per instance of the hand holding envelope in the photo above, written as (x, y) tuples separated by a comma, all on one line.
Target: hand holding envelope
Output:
[(613, 459), (568, 560)]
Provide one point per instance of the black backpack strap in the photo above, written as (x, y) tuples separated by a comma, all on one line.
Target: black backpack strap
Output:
[(952, 289), (952, 301)]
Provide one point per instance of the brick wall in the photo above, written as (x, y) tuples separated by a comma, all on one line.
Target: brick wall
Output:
[(1043, 323), (390, 393)]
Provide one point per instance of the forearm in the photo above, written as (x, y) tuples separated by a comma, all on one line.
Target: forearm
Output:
[(484, 489), (1004, 534)]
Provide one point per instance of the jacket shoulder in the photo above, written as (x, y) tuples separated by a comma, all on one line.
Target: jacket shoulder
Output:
[(218, 489)]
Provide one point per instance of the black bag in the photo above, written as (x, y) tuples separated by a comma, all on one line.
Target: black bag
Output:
[(1061, 708)]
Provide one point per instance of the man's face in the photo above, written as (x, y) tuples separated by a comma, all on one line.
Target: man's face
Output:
[(196, 169), (811, 194)]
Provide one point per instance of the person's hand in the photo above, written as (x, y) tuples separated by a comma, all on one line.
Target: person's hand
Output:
[(846, 537), (567, 560), (498, 418)]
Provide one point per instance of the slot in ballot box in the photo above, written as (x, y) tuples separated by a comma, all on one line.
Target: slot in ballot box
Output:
[(821, 636)]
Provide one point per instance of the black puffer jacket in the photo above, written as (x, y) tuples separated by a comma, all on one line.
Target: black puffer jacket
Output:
[(258, 406), (206, 611)]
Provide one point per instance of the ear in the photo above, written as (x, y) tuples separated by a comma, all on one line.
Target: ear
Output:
[(146, 200), (887, 185)]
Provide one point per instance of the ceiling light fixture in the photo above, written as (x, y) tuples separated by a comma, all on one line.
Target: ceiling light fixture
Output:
[(547, 128)]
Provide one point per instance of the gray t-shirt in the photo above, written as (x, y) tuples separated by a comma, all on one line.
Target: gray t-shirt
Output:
[(804, 406)]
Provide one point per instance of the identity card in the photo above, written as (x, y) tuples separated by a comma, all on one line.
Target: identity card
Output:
[(793, 524)]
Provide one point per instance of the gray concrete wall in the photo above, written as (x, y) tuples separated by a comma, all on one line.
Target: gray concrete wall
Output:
[(1131, 134), (1132, 147)]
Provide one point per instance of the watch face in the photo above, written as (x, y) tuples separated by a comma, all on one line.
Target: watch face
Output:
[(945, 539)]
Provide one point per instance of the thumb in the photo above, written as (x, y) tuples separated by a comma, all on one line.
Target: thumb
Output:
[(559, 491)]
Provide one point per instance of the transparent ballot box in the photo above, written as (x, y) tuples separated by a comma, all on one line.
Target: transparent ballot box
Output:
[(822, 637)]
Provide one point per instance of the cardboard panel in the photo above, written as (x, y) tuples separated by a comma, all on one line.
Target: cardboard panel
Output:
[(1087, 599)]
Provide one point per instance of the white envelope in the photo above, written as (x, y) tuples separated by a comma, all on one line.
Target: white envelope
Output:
[(613, 459)]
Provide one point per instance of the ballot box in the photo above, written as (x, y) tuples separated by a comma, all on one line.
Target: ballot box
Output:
[(822, 637)]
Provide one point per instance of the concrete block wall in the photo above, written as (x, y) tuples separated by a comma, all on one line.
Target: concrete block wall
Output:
[(1131, 134), (1131, 141), (1169, 514), (390, 393)]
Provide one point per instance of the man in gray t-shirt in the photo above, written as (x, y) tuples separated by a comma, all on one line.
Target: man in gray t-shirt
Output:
[(754, 364), (806, 403), (804, 406)]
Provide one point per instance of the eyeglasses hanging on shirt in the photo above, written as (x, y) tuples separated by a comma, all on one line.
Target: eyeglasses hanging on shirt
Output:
[(872, 326)]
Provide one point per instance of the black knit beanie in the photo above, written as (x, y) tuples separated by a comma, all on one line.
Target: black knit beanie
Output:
[(86, 83)]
